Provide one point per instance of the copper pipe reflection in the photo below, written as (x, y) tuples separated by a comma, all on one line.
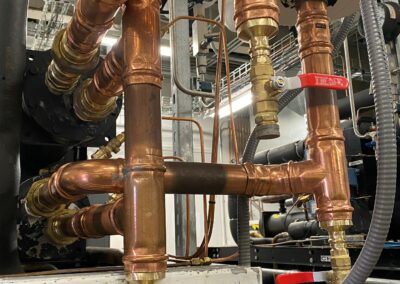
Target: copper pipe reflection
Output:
[(75, 49), (325, 140), (144, 201), (96, 98)]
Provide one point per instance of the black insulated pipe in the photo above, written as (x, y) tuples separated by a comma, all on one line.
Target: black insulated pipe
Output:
[(13, 19)]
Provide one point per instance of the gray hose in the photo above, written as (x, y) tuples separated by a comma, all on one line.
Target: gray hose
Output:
[(344, 30), (386, 152), (243, 206)]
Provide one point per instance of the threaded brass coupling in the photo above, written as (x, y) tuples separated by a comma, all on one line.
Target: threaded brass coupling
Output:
[(105, 152), (257, 22), (54, 232), (340, 258)]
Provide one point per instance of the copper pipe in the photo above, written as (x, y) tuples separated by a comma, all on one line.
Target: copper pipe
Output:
[(144, 202), (72, 182), (95, 221), (75, 49), (96, 98), (325, 139)]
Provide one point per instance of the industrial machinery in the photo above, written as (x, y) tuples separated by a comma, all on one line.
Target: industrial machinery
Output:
[(336, 189)]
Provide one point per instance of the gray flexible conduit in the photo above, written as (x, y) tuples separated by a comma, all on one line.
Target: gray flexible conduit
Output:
[(386, 151), (242, 202)]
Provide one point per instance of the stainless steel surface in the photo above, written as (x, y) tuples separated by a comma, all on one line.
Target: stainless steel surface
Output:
[(182, 131)]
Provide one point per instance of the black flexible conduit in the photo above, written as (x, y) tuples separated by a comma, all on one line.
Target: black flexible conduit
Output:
[(240, 204), (386, 147)]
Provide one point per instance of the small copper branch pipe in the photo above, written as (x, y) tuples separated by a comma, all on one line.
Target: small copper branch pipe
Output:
[(257, 21), (145, 256), (325, 140), (72, 182), (96, 98), (75, 49), (95, 221)]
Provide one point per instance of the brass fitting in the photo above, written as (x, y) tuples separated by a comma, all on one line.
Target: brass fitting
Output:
[(33, 204), (256, 22), (53, 231), (340, 259), (144, 277), (200, 261), (67, 66), (113, 146), (88, 109)]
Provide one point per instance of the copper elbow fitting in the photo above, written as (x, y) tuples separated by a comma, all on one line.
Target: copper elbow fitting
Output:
[(256, 22)]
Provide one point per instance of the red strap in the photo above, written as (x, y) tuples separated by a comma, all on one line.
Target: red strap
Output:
[(295, 278), (323, 81)]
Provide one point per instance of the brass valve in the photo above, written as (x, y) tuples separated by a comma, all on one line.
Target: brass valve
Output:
[(257, 22), (105, 152)]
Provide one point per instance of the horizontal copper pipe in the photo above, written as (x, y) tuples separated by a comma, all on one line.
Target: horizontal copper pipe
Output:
[(95, 221), (75, 49), (96, 98), (74, 181)]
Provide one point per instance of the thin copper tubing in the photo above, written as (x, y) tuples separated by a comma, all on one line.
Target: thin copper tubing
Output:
[(203, 159), (215, 140)]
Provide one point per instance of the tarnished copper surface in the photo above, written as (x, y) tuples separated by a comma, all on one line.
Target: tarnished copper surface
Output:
[(96, 98), (95, 221), (325, 140), (75, 49), (141, 35), (247, 10), (74, 181), (144, 223)]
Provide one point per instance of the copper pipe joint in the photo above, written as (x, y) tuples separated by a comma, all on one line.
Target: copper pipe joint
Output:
[(256, 22), (325, 140), (75, 50), (141, 55), (96, 98), (72, 182), (95, 221)]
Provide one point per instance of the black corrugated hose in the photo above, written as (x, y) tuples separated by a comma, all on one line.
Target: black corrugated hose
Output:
[(242, 236), (386, 147)]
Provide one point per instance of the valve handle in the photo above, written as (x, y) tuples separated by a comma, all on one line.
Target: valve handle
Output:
[(323, 81), (301, 277)]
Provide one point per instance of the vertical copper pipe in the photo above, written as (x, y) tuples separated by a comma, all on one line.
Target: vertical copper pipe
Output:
[(95, 98), (325, 140), (144, 220)]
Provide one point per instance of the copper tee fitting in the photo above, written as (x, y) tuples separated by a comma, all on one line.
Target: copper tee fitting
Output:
[(75, 49), (325, 141), (256, 22)]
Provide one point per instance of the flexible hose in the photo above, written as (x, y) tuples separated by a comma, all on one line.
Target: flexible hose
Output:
[(241, 203), (386, 151)]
